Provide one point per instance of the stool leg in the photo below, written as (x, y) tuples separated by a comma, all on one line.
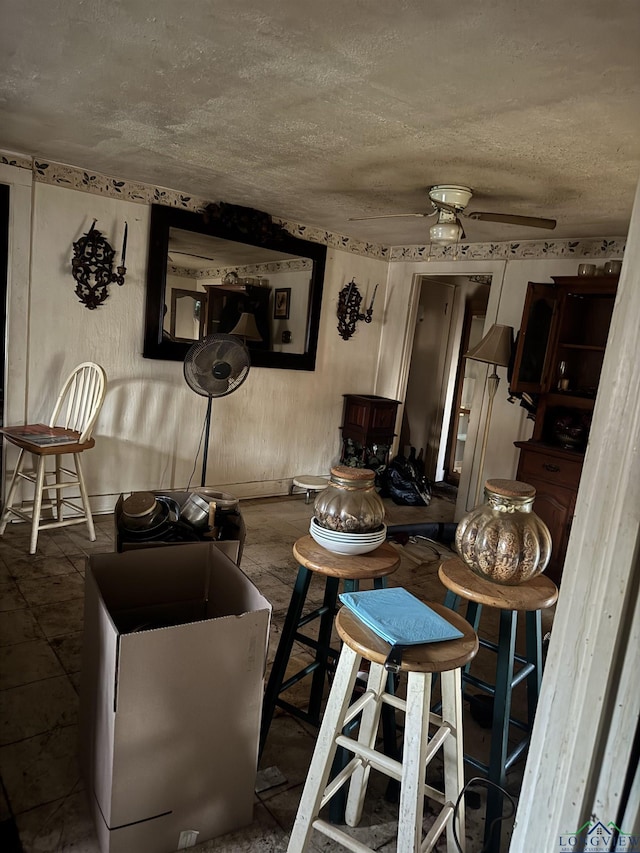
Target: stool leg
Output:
[(318, 775), (324, 647), (414, 762), (283, 652), (37, 504), (12, 491), (534, 656), (453, 749), (474, 611), (500, 725), (389, 727), (336, 809), (369, 723), (451, 600)]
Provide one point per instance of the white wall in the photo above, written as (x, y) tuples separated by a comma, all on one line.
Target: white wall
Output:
[(277, 424), (299, 282)]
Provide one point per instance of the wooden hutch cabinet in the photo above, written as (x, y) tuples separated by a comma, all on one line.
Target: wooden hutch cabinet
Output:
[(558, 362)]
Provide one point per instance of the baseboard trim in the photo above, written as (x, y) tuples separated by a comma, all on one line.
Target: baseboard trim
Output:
[(105, 504)]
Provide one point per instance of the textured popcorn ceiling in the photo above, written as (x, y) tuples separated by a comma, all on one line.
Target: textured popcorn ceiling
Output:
[(321, 110)]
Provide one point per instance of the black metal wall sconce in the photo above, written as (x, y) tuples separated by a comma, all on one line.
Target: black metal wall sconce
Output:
[(349, 302), (92, 266)]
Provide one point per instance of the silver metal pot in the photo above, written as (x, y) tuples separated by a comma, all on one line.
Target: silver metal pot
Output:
[(195, 511), (223, 501)]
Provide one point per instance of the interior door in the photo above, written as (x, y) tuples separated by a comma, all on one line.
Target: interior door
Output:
[(427, 375), (475, 313)]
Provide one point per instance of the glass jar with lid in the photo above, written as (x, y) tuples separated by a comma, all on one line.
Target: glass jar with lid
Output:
[(350, 502), (503, 540)]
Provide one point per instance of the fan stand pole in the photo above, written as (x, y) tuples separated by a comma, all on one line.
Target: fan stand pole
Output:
[(205, 450)]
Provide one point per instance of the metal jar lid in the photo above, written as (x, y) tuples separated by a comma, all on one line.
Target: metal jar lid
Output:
[(139, 504)]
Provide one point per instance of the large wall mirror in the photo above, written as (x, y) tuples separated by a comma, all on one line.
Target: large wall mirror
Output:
[(235, 273)]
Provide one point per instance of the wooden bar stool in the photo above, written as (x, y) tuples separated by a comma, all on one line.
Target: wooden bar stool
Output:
[(419, 662), (314, 559), (531, 597)]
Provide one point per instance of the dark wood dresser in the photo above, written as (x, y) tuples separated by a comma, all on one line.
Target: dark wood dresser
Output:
[(368, 426)]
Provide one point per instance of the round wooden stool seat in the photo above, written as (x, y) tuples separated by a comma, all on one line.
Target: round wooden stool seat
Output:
[(308, 481), (310, 484), (429, 657), (535, 594), (376, 564)]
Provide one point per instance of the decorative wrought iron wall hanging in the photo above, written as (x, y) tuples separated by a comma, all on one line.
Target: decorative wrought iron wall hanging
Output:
[(92, 266), (349, 302)]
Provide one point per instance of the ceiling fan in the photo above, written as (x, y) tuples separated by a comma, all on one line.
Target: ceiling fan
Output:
[(448, 202)]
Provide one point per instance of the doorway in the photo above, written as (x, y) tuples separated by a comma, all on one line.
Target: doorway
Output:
[(451, 312)]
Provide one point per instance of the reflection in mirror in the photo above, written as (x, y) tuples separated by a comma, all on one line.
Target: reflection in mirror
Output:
[(187, 317), (234, 278), (266, 289)]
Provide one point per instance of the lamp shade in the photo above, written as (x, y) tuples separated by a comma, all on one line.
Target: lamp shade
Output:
[(495, 347), (246, 328)]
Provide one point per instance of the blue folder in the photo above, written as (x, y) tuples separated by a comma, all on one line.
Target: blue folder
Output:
[(399, 617)]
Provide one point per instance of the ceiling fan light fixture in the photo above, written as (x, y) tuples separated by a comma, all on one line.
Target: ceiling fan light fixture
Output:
[(446, 230)]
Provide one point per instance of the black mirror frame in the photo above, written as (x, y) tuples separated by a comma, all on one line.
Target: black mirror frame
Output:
[(162, 219)]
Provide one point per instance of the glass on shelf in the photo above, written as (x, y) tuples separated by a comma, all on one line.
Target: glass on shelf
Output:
[(563, 379)]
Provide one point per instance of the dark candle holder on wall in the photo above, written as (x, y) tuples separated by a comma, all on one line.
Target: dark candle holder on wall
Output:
[(349, 302), (92, 266)]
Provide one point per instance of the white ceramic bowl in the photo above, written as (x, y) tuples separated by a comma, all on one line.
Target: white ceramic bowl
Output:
[(346, 543), (339, 536)]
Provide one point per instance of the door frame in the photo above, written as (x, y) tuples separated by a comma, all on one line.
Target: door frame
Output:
[(16, 342)]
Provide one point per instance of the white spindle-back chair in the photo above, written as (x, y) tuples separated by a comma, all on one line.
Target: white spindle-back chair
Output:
[(77, 408)]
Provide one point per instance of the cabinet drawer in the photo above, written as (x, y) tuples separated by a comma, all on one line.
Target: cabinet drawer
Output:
[(552, 469)]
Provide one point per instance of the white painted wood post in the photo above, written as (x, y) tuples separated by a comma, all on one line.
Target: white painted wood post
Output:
[(589, 705)]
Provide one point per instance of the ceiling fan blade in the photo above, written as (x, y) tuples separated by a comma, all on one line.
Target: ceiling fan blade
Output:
[(511, 219), (386, 216)]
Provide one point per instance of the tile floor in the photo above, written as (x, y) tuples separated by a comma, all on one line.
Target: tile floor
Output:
[(42, 801)]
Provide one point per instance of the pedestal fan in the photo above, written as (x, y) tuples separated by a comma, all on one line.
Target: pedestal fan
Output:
[(215, 367)]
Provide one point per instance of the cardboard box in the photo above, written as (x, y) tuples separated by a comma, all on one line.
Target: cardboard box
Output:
[(232, 529), (175, 643)]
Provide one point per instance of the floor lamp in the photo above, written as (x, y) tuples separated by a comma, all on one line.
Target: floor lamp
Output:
[(495, 349)]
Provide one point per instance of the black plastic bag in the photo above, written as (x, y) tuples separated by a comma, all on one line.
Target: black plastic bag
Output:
[(405, 482)]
